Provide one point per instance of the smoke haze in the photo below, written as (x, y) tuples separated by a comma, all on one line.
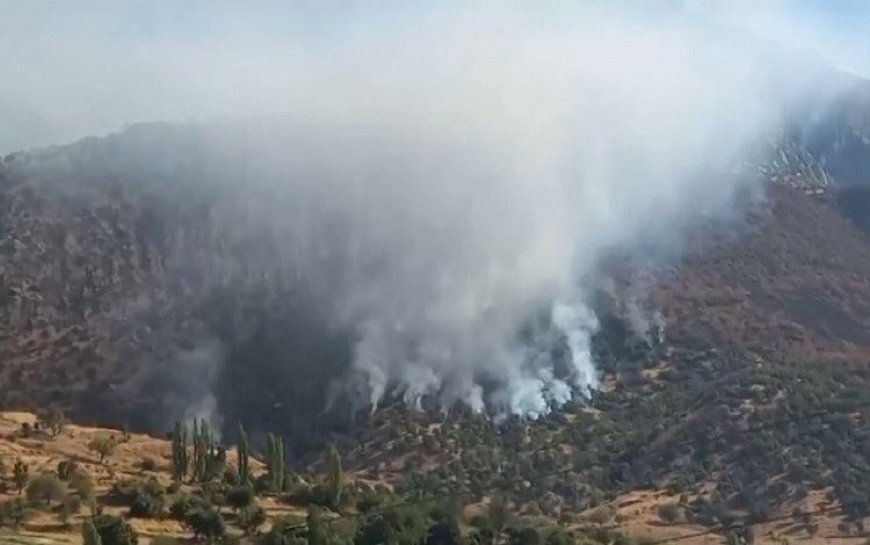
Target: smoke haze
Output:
[(444, 183)]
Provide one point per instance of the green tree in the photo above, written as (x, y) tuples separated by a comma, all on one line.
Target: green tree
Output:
[(81, 483), (65, 469), (559, 537), (206, 523), (669, 512), (251, 518), (46, 487), (275, 462), (114, 530), (524, 536), (13, 513), (240, 497), (69, 506), (103, 444), (90, 536), (180, 456), (405, 526), (335, 478), (54, 421), (20, 475), (243, 451)]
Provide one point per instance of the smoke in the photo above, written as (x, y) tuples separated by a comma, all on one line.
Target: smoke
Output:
[(447, 184)]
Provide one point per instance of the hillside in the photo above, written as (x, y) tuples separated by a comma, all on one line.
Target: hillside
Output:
[(142, 463), (127, 302)]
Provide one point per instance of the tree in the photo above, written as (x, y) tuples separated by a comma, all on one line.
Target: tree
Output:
[(209, 461), (602, 515), (54, 421), (285, 531), (669, 512), (20, 475), (90, 536), (69, 506), (13, 513), (335, 482), (147, 502), (81, 483), (405, 526), (65, 469), (46, 487), (114, 530), (275, 462), (525, 536), (207, 523), (251, 518), (240, 497), (443, 533), (180, 457), (559, 537), (243, 450), (103, 444)]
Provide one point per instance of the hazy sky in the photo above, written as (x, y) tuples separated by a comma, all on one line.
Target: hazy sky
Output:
[(78, 68)]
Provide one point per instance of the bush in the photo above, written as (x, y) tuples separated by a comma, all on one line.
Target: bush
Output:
[(250, 518), (206, 522), (148, 464), (114, 531), (524, 536), (184, 504), (602, 515), (559, 537), (13, 513), (240, 497), (146, 505), (670, 512)]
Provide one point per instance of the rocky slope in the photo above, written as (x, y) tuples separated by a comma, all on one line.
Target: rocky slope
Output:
[(125, 299)]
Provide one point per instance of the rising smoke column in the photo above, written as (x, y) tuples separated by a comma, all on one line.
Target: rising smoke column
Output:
[(446, 189)]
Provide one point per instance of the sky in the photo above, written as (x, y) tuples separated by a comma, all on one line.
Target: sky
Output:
[(90, 67)]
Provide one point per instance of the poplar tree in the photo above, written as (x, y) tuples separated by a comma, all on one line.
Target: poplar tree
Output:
[(180, 456), (244, 471), (335, 483)]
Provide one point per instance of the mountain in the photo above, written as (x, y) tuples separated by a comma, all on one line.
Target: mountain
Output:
[(126, 300)]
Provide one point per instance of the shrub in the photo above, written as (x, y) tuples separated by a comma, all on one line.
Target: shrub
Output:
[(206, 522), (524, 536), (184, 504), (240, 497), (148, 464), (146, 505), (114, 531), (601, 515), (669, 512), (250, 518), (13, 513)]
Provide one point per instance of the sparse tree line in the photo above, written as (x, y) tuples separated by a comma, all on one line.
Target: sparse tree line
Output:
[(220, 502), (673, 433)]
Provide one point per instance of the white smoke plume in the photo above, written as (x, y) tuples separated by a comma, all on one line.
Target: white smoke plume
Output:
[(438, 181)]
